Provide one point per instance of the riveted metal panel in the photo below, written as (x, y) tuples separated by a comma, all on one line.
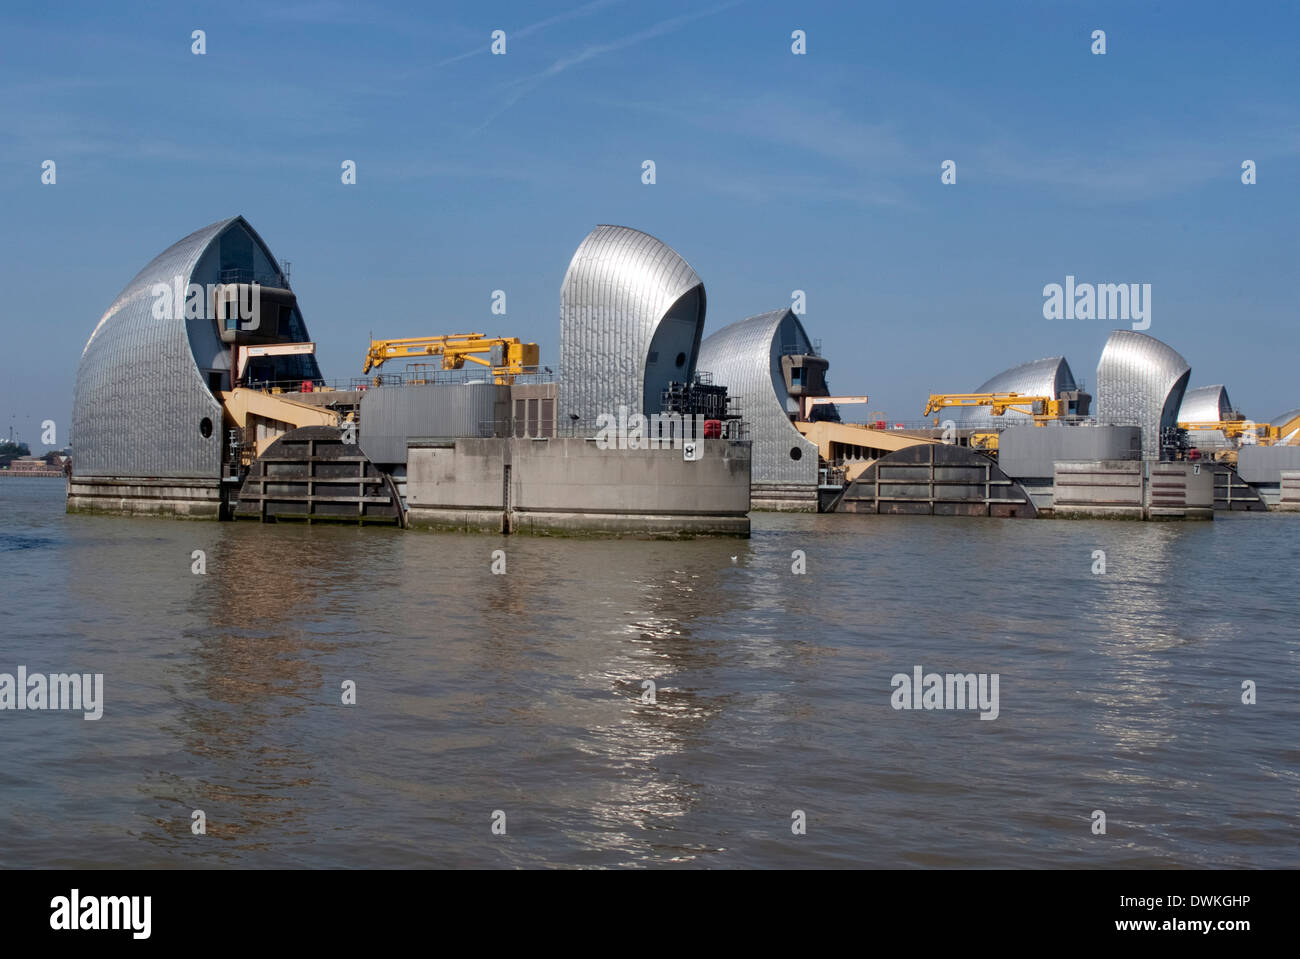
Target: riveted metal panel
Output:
[(140, 397), (745, 357), (1140, 382), (621, 286), (1046, 377)]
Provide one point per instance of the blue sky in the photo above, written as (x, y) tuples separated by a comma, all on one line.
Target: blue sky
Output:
[(775, 172)]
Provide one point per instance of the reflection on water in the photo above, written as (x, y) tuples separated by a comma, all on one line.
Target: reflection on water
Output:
[(525, 692), (1139, 613)]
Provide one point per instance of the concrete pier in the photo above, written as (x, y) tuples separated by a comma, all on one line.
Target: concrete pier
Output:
[(142, 496), (1132, 489), (570, 486)]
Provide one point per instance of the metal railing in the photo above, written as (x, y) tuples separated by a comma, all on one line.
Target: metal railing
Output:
[(243, 275), (374, 380), (793, 349), (1006, 421), (355, 383), (731, 430)]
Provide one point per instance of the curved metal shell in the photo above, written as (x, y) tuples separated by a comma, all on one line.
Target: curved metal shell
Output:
[(141, 391), (1282, 421), (631, 317), (1046, 377), (1141, 381), (745, 357), (1205, 404)]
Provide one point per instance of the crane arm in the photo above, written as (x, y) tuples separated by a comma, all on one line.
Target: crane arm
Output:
[(1041, 408), (1233, 429), (456, 349)]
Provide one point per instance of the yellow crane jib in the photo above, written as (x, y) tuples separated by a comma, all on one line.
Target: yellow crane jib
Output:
[(1236, 429), (506, 357), (1041, 408)]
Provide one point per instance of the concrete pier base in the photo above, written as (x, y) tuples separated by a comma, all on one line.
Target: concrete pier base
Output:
[(784, 497), (569, 486), (1133, 489), (459, 520), (144, 496), (1288, 492), (645, 525)]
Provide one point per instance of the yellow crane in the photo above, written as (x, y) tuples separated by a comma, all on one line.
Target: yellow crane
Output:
[(1041, 408), (1286, 434), (506, 357), (1234, 429)]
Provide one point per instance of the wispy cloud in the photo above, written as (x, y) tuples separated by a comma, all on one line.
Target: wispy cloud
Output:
[(1130, 169), (827, 137), (585, 10), (527, 85), (886, 151)]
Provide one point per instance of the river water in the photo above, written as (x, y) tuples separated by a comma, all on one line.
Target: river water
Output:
[(516, 700)]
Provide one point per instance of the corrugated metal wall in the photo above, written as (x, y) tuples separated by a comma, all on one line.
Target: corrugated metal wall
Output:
[(1140, 382), (140, 396), (1205, 404), (745, 357), (619, 287), (390, 415)]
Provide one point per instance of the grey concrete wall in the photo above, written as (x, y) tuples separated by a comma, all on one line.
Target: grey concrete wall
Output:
[(468, 475), (575, 475), (1040, 494), (459, 487), (1264, 464), (784, 497), (569, 485), (1180, 490), (393, 415), (1121, 489), (132, 496), (1288, 499), (1033, 451), (1113, 488)]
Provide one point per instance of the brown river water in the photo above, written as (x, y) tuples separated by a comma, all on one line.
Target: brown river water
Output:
[(517, 700)]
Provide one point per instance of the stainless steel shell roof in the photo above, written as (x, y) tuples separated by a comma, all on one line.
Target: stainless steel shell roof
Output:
[(1202, 405), (621, 288), (1141, 381), (1205, 404), (745, 357), (1045, 377), (1283, 420), (140, 396)]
